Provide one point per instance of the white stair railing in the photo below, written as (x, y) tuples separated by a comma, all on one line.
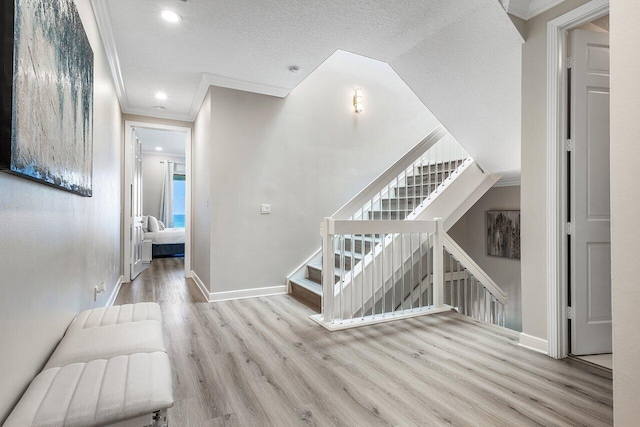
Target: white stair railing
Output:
[(470, 289), (409, 182), (378, 271), (394, 258)]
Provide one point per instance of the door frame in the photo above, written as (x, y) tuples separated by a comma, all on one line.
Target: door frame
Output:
[(557, 125), (129, 125)]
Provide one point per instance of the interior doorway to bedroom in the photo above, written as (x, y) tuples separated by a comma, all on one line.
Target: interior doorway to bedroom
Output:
[(157, 196)]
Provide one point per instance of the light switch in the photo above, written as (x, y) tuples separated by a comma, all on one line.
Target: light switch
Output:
[(265, 209)]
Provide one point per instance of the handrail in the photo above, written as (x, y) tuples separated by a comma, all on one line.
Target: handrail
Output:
[(393, 171), (355, 295), (455, 250)]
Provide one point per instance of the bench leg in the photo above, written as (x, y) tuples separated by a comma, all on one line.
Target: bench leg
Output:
[(160, 419)]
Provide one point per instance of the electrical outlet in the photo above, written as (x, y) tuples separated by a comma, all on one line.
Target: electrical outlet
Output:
[(98, 290), (265, 209)]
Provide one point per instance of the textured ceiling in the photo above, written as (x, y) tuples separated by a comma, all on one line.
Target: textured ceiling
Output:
[(251, 44)]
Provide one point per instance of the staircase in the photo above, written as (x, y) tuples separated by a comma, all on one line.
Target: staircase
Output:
[(410, 189), (386, 254)]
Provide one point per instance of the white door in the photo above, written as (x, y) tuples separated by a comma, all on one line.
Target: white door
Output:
[(589, 195), (137, 235)]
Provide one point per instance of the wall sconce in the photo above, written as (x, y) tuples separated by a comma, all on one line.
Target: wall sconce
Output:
[(357, 100)]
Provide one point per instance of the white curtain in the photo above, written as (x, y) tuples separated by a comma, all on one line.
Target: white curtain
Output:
[(166, 200)]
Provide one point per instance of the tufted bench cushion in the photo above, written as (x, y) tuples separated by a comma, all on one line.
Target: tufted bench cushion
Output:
[(99, 392), (117, 314), (104, 342)]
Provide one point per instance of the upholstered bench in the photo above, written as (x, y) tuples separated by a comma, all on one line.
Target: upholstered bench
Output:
[(110, 368)]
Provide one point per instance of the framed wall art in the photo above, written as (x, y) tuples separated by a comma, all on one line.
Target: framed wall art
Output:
[(503, 234), (46, 108)]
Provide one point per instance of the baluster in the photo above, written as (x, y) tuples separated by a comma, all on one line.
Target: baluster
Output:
[(352, 246), (362, 250), (389, 199), (384, 282), (464, 291), (421, 181), (393, 274), (373, 275), (373, 212), (430, 260), (487, 305), (411, 275), (342, 265), (404, 291), (429, 180), (406, 192), (458, 296), (397, 199), (476, 298), (451, 288), (420, 270)]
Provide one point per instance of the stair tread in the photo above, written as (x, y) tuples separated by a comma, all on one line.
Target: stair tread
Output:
[(310, 285), (356, 255), (336, 270)]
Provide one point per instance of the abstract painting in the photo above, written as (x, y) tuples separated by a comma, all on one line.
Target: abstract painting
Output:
[(503, 234), (47, 125)]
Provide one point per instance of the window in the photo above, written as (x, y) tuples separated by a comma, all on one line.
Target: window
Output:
[(178, 201)]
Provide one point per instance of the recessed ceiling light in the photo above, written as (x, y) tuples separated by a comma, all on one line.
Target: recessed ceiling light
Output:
[(161, 96), (170, 16), (158, 148)]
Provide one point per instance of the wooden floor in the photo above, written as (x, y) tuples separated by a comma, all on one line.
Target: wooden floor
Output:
[(262, 362)]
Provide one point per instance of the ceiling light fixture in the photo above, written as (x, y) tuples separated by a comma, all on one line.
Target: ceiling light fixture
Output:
[(161, 96), (357, 100), (170, 16), (158, 148)]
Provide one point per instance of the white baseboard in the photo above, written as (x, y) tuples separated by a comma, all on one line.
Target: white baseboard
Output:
[(534, 343), (114, 294), (201, 286), (240, 294), (248, 293)]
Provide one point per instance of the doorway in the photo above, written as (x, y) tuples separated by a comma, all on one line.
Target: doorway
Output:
[(588, 171), (579, 285), (157, 196)]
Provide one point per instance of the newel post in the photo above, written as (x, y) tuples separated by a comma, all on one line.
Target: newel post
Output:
[(327, 270), (438, 264)]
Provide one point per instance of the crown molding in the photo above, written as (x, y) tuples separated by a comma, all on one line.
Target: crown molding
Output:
[(157, 115), (527, 9), (540, 6), (103, 19), (209, 79), (519, 8)]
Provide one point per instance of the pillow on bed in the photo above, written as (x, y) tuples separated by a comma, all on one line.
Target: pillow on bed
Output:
[(154, 227), (161, 225), (145, 223)]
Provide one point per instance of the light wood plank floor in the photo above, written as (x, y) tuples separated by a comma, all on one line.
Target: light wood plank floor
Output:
[(262, 362)]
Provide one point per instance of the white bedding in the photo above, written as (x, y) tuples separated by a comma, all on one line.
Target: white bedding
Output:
[(166, 236)]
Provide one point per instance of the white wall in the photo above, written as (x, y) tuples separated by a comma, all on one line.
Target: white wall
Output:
[(152, 177), (307, 155), (625, 206), (56, 246), (201, 191), (470, 232), (533, 176)]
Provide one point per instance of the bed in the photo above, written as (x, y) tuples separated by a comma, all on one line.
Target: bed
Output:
[(167, 242)]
